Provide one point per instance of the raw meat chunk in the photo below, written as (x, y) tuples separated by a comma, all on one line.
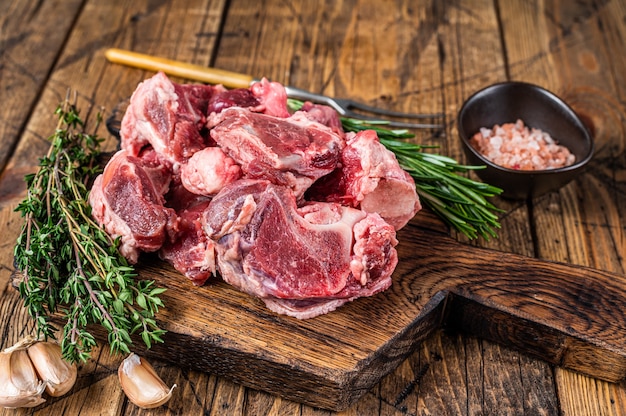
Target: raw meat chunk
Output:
[(126, 201), (168, 116), (292, 151), (240, 97), (370, 178), (191, 252), (285, 207), (323, 114), (262, 97), (269, 248), (272, 97)]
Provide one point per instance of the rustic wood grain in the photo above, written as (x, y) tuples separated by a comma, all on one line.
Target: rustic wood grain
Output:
[(474, 58), (571, 37), (84, 71), (29, 46), (424, 57)]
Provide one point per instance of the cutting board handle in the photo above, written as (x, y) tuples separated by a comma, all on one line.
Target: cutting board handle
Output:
[(568, 315)]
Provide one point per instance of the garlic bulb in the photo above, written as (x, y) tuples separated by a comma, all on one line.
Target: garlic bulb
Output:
[(141, 383), (19, 385), (58, 374)]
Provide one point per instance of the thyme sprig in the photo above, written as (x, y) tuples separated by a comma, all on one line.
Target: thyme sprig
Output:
[(460, 201), (68, 264)]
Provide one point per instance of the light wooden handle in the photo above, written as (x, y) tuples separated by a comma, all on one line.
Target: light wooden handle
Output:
[(179, 69)]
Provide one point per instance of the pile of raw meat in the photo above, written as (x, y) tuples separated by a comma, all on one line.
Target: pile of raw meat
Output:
[(286, 207)]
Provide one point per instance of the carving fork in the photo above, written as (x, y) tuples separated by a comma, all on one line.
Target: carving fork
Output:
[(345, 107)]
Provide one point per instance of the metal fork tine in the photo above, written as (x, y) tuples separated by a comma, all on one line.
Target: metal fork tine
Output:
[(348, 104), (342, 106)]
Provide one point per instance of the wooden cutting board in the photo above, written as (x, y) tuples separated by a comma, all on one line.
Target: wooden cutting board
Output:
[(570, 316)]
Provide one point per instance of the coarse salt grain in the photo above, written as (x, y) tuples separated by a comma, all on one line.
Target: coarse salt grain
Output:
[(515, 146)]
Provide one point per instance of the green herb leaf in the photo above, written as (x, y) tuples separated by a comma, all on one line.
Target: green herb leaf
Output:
[(460, 201), (69, 266)]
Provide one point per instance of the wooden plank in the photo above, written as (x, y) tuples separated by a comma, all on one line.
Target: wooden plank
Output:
[(29, 45), (82, 67), (589, 79), (74, 69), (320, 68), (11, 223), (472, 59), (411, 49)]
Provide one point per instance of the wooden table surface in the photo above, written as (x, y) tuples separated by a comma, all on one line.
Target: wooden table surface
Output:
[(405, 55)]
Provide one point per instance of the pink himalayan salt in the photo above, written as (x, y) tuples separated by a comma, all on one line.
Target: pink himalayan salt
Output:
[(515, 146)]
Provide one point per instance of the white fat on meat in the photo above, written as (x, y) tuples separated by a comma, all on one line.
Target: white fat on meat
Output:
[(208, 171), (371, 251)]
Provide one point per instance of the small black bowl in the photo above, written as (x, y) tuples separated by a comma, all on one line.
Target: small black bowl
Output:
[(536, 107)]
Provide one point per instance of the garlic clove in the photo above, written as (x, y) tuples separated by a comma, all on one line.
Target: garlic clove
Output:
[(48, 361), (19, 384), (142, 385)]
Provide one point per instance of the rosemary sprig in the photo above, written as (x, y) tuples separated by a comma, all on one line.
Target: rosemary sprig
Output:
[(460, 201), (67, 262)]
